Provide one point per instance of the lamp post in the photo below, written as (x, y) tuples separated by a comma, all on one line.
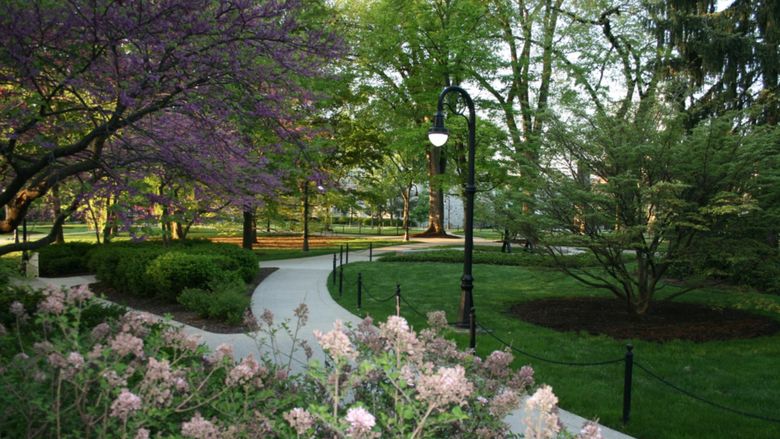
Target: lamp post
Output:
[(438, 136)]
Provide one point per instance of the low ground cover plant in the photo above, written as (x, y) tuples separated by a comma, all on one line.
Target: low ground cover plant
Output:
[(133, 376)]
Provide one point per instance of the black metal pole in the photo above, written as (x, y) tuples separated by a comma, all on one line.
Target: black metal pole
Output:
[(398, 299), (341, 280), (346, 255), (370, 251), (334, 269), (360, 290), (473, 329), (341, 254), (467, 280), (627, 378)]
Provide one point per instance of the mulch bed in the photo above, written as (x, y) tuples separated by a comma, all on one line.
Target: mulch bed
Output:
[(291, 242), (176, 310), (665, 321)]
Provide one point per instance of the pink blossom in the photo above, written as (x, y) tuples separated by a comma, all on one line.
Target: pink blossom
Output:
[(302, 313), (78, 295), (299, 419), (100, 331), (523, 378), (397, 330), (125, 343), (437, 320), (199, 428), (57, 360), (113, 379), (448, 385), (223, 351), (267, 317), (136, 323), (74, 363), (17, 309), (142, 433), (243, 372), (590, 430), (541, 414), (125, 404), (504, 402), (497, 363), (360, 421), (336, 342), (158, 371), (53, 302)]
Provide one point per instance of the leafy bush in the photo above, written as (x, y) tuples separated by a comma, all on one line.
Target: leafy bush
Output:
[(226, 302), (64, 259), (152, 268), (140, 378), (172, 272), (495, 257)]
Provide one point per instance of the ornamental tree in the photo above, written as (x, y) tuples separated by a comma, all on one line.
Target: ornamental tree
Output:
[(88, 86)]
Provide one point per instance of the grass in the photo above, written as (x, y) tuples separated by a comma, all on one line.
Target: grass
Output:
[(269, 254), (739, 373)]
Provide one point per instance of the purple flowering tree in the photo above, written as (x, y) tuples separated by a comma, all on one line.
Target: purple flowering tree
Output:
[(95, 88)]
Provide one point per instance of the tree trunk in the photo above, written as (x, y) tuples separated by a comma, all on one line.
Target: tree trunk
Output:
[(436, 162), (109, 220), (406, 194), (306, 216), (59, 237), (246, 238)]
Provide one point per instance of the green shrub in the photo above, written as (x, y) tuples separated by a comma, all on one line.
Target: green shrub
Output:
[(495, 257), (67, 259), (151, 268), (172, 272), (226, 302)]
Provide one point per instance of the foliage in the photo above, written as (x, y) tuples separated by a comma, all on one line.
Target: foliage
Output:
[(151, 268), (737, 373), (493, 257), (225, 300), (172, 272), (64, 259), (154, 84), (132, 376)]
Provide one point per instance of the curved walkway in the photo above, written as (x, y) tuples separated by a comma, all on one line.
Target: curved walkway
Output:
[(305, 281)]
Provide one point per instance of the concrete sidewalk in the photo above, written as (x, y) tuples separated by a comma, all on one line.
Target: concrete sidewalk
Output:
[(305, 281)]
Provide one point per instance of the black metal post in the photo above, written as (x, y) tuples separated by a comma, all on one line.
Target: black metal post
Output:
[(627, 378), (341, 254), (467, 280), (398, 299), (370, 251), (360, 290), (346, 255), (341, 280), (472, 329), (334, 269)]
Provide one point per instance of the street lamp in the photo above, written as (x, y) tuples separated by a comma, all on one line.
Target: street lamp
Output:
[(438, 136)]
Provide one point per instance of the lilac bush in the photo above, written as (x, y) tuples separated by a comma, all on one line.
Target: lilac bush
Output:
[(137, 377)]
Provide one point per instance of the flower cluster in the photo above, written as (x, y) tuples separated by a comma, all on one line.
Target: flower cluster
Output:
[(541, 420), (199, 428), (299, 419), (360, 422), (125, 404), (447, 386), (336, 342)]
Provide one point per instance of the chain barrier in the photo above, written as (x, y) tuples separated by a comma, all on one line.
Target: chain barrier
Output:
[(667, 383), (372, 297), (490, 332), (700, 399)]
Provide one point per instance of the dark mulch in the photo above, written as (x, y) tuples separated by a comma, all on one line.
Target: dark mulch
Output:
[(176, 310), (665, 321)]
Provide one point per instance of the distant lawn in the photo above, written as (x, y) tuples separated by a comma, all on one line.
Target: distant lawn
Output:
[(269, 254), (741, 373)]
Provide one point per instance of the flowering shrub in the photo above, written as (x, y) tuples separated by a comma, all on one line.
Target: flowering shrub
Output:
[(133, 376)]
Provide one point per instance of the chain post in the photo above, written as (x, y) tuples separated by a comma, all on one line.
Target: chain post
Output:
[(627, 378), (360, 291)]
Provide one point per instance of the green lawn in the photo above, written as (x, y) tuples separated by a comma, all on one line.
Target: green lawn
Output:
[(270, 254), (741, 374)]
